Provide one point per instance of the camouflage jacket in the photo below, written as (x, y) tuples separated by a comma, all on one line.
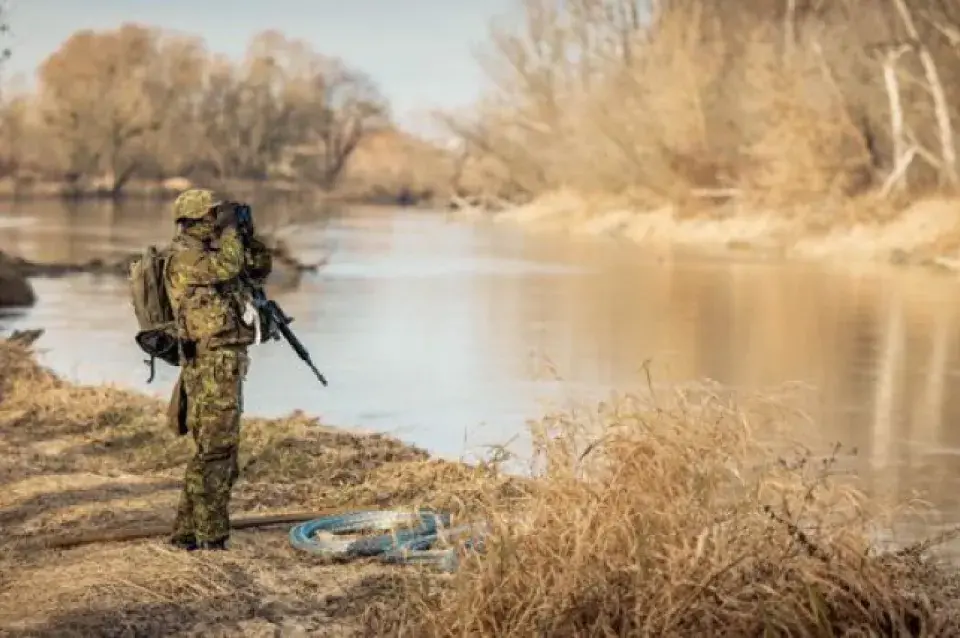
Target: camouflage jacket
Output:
[(203, 284)]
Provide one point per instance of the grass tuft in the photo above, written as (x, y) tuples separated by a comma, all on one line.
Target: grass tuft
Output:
[(674, 522)]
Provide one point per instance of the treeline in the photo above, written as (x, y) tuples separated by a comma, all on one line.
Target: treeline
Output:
[(138, 103), (774, 100), (679, 101)]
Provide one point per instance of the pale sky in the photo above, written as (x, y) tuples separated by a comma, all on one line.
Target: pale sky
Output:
[(420, 52)]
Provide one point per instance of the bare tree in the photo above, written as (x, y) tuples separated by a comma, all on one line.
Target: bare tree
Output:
[(141, 102), (5, 51), (9, 124), (350, 107), (245, 123), (903, 153), (658, 101), (13, 135), (948, 153), (173, 86), (100, 98), (286, 97)]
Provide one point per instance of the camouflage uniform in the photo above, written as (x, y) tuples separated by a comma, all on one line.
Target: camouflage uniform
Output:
[(207, 298)]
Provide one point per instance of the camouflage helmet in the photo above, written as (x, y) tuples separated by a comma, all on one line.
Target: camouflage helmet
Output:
[(194, 203)]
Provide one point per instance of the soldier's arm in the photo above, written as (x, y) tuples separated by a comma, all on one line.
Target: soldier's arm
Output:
[(205, 268), (258, 259)]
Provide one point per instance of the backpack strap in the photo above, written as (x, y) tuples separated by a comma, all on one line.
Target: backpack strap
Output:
[(152, 364), (178, 318), (152, 360)]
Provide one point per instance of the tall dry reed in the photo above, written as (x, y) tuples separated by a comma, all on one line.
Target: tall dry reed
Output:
[(672, 517)]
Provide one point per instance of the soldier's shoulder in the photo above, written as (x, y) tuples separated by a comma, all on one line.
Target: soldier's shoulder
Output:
[(178, 251), (182, 256)]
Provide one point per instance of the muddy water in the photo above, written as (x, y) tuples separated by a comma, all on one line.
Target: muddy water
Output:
[(436, 331)]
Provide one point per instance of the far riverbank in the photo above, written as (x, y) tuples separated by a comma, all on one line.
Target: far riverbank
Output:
[(926, 233)]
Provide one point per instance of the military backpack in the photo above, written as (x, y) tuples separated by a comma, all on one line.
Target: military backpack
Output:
[(157, 334)]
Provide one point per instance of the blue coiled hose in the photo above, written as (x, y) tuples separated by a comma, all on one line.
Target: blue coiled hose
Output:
[(420, 550), (410, 544)]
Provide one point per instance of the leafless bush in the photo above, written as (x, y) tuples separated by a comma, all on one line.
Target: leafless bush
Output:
[(779, 101)]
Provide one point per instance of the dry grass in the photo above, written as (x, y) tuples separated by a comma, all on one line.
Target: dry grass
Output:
[(650, 515), (671, 524), (80, 459)]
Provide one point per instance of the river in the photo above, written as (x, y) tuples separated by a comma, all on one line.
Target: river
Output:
[(437, 331)]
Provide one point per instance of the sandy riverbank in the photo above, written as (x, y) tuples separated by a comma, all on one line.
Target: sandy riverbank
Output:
[(80, 459), (925, 233)]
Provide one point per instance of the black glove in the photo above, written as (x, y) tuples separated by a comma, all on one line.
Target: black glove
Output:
[(226, 216), (237, 215)]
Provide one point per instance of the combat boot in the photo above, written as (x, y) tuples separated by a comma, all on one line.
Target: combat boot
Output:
[(220, 545), (188, 543)]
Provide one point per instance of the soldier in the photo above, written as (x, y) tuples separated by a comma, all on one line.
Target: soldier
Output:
[(208, 257)]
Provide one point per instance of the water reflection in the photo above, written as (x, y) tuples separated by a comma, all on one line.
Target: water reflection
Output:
[(427, 329)]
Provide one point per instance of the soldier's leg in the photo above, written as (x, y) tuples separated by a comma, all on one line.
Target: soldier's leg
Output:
[(219, 403), (184, 528)]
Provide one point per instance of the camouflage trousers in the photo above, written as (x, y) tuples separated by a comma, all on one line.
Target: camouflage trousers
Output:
[(213, 385)]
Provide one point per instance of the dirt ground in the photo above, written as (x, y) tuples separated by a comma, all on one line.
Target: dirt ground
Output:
[(85, 459)]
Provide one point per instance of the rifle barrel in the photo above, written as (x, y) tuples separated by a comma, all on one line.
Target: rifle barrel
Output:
[(282, 321)]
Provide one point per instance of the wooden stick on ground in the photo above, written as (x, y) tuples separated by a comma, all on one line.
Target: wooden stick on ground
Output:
[(131, 534)]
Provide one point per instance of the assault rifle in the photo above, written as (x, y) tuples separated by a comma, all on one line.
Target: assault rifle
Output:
[(277, 322), (278, 325)]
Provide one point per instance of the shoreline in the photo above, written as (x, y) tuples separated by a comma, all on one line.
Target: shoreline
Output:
[(78, 460), (16, 273), (924, 235), (168, 189)]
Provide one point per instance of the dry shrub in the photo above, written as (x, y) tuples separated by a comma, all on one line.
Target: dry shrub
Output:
[(671, 524), (707, 95), (673, 82), (17, 364), (800, 140), (391, 163)]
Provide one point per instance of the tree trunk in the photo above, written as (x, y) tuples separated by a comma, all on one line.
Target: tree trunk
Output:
[(947, 150), (902, 156)]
